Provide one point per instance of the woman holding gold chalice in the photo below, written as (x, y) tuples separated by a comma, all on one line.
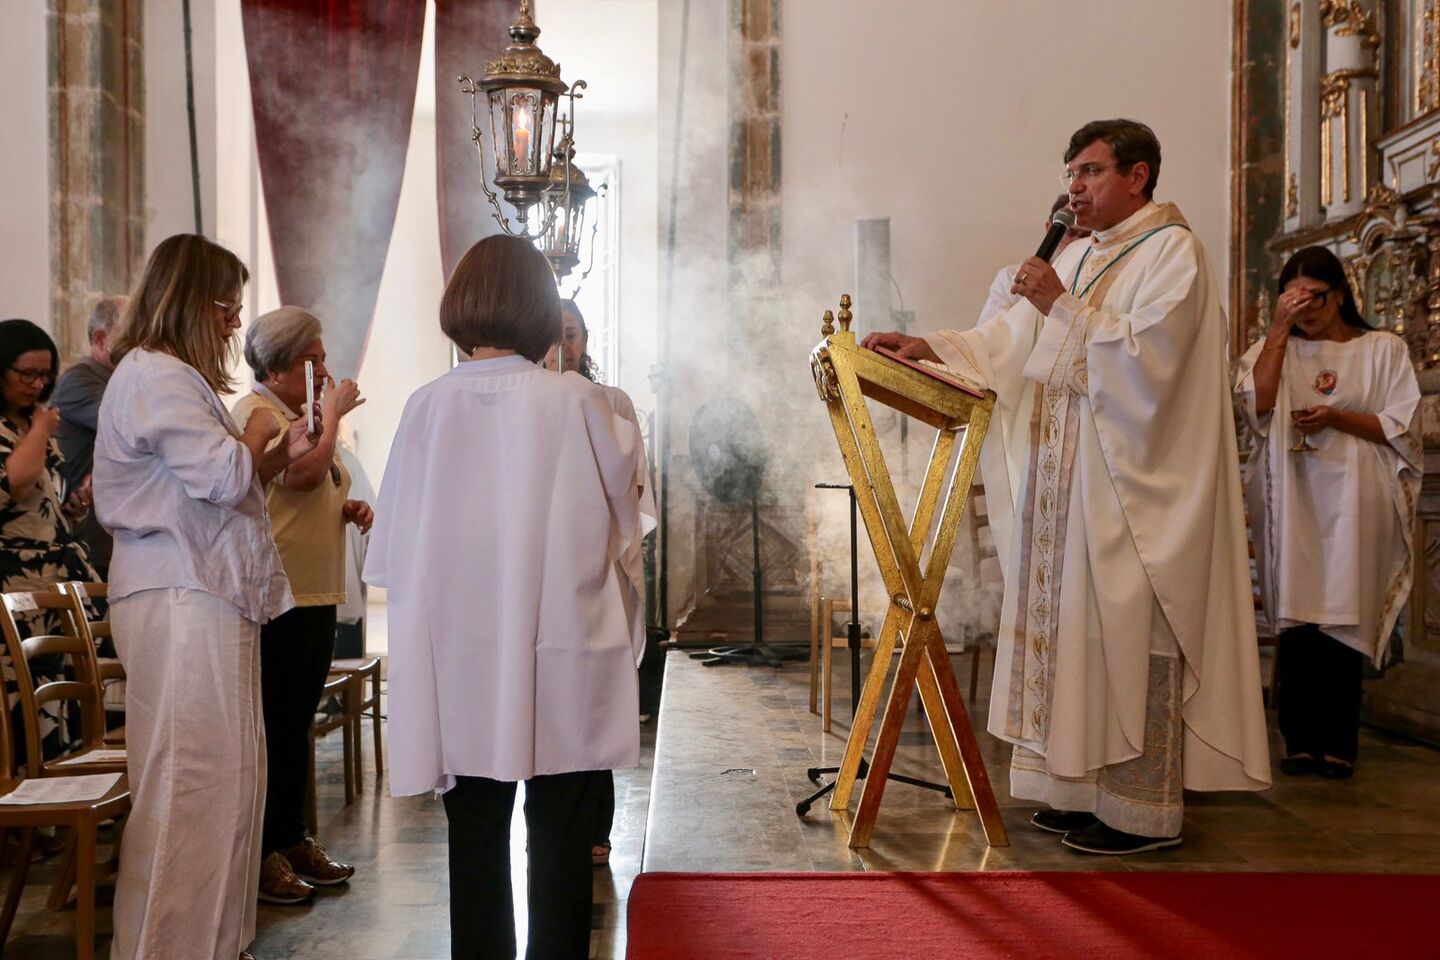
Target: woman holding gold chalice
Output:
[(1331, 496)]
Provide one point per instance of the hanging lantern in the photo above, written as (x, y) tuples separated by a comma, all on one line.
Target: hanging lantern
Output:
[(522, 87), (565, 208)]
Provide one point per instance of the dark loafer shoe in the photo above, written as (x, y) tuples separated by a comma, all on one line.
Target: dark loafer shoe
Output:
[(1062, 821), (1299, 766), (1108, 841), (1336, 769)]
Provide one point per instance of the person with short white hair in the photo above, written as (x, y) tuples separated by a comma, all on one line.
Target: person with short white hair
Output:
[(309, 509)]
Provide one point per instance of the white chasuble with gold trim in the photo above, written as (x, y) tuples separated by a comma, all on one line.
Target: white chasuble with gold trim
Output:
[(1112, 481)]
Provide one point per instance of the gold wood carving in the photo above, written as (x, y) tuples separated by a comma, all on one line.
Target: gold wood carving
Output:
[(1426, 27), (1335, 105), (1432, 302), (1349, 18), (1364, 136), (1292, 203), (845, 376), (1327, 161), (1434, 168)]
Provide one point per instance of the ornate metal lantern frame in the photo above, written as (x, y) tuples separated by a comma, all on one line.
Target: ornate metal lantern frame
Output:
[(566, 205), (522, 88)]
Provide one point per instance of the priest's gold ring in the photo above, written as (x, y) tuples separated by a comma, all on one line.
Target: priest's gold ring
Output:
[(1020, 278)]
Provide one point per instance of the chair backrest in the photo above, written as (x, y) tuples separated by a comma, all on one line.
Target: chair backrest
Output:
[(84, 690), (82, 594), (8, 778)]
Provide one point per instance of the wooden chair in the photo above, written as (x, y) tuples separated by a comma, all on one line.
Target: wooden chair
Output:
[(979, 552), (110, 670), (359, 671), (340, 687), (90, 755), (824, 639), (82, 818)]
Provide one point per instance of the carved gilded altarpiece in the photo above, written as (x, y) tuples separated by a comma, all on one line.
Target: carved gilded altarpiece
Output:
[(1336, 121)]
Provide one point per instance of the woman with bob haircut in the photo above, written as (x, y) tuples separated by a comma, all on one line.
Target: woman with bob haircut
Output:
[(194, 574), (1332, 490), (509, 497)]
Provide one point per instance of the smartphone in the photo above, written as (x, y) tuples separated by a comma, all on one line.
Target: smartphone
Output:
[(310, 396)]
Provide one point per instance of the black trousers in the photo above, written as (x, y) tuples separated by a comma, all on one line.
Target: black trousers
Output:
[(558, 820), (604, 807), (295, 654), (1319, 696)]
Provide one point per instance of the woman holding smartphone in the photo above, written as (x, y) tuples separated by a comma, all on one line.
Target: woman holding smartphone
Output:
[(1331, 494)]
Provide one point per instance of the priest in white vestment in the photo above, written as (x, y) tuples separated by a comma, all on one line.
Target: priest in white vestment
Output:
[(1127, 666), (1333, 520), (508, 502)]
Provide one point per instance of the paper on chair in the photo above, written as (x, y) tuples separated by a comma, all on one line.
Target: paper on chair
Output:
[(63, 789), (100, 755)]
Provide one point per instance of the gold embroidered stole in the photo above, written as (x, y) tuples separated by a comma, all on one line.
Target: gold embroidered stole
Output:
[(1054, 426)]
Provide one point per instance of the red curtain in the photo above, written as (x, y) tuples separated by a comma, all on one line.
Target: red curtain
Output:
[(467, 34), (333, 85)]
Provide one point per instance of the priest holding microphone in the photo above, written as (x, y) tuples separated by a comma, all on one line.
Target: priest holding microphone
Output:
[(1126, 668)]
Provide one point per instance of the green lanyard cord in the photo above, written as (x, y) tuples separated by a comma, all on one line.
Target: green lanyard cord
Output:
[(1081, 266)]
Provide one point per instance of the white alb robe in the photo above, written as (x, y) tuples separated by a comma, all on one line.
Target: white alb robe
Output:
[(999, 299), (508, 502), (1334, 527), (632, 564), (1117, 511)]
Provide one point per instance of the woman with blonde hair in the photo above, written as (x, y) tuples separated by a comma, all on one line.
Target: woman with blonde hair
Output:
[(194, 574)]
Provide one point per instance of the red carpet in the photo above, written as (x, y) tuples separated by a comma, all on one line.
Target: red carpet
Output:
[(917, 916)]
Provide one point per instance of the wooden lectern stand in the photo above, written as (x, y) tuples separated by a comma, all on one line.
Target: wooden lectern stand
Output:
[(845, 375)]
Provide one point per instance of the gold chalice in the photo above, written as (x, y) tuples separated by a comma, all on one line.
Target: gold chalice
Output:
[(1302, 443)]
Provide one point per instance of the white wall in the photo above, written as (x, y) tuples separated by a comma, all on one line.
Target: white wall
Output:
[(24, 164), (951, 118), (169, 203), (613, 46)]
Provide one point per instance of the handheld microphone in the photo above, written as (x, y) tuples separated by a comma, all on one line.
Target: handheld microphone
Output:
[(1062, 221)]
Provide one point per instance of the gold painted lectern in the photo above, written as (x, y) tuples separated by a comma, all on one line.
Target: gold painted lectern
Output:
[(845, 375)]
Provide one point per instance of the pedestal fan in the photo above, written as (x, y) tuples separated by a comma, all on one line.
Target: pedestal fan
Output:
[(728, 452)]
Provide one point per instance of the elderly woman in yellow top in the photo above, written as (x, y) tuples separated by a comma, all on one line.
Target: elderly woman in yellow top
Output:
[(309, 508)]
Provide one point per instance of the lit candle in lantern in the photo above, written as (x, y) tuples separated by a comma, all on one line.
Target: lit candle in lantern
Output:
[(521, 155)]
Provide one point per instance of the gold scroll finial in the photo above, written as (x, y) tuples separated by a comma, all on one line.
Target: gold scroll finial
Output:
[(845, 315), (827, 323)]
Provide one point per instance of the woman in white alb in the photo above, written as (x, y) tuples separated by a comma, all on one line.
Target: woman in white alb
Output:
[(575, 344), (1331, 496)]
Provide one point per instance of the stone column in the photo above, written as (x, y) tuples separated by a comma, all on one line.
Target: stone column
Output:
[(1348, 104), (97, 168)]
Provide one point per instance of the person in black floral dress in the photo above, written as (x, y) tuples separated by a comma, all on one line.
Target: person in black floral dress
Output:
[(38, 547)]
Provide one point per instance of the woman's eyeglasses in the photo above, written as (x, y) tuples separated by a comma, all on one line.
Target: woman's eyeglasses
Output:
[(32, 376), (231, 309)]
